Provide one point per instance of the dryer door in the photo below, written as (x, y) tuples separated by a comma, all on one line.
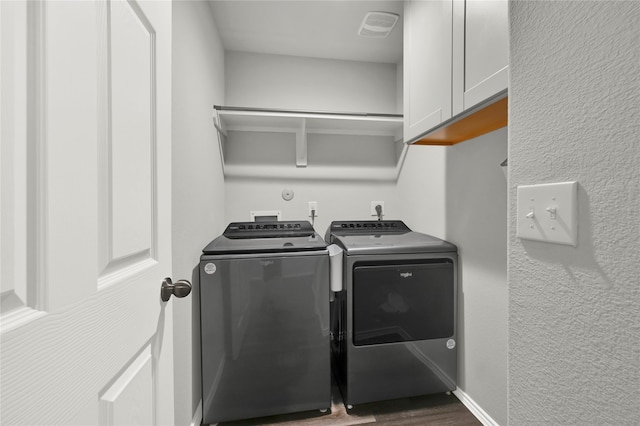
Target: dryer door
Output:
[(403, 302)]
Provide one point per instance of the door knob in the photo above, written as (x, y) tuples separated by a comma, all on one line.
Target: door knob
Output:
[(180, 289)]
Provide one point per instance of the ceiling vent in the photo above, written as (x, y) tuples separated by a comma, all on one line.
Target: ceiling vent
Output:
[(377, 24)]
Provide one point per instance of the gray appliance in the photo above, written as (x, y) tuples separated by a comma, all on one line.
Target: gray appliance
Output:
[(394, 323), (264, 311)]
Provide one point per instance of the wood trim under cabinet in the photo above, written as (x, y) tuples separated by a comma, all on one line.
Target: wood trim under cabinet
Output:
[(492, 117)]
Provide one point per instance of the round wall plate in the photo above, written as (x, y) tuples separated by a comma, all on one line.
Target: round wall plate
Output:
[(287, 194)]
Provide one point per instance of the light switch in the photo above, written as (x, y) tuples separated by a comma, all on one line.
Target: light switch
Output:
[(548, 212)]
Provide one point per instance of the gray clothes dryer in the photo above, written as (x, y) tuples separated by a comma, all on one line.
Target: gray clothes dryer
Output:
[(394, 323), (264, 310)]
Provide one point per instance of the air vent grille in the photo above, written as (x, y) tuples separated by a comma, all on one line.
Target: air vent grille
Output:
[(377, 24)]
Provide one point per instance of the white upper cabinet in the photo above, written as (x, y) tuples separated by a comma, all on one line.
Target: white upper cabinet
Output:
[(456, 57), (480, 51), (427, 65)]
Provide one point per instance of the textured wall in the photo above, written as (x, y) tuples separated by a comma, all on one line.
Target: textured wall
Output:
[(574, 313)]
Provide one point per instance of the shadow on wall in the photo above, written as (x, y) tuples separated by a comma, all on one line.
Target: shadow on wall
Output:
[(579, 262), (461, 379), (196, 366)]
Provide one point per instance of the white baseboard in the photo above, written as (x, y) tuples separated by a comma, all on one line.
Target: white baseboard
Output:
[(197, 416), (475, 409)]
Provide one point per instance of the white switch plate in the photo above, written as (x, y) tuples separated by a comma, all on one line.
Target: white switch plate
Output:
[(548, 212)]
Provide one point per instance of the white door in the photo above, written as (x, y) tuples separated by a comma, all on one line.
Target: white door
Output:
[(85, 219)]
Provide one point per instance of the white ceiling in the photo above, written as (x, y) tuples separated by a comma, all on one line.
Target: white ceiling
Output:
[(311, 28)]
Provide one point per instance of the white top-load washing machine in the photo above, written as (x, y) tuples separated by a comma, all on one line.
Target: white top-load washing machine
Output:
[(264, 309), (394, 322)]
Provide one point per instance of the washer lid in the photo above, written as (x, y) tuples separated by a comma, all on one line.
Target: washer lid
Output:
[(266, 237), (408, 242)]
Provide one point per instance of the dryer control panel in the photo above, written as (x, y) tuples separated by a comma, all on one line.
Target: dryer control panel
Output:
[(363, 227)]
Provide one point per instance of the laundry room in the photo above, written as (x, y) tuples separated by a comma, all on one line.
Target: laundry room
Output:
[(319, 212), (250, 158)]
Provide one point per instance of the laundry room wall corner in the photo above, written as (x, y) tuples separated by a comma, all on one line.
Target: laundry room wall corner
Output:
[(421, 185), (476, 200), (198, 182)]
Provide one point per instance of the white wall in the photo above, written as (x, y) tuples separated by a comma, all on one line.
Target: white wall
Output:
[(421, 190), (198, 184), (574, 315), (336, 200), (417, 198), (276, 81), (476, 221)]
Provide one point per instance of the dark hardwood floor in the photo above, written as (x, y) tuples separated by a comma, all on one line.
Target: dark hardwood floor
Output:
[(440, 409)]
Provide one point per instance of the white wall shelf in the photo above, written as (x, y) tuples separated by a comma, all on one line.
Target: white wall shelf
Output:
[(382, 134), (261, 119)]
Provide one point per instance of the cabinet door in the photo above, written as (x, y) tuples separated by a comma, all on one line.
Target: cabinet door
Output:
[(481, 58), (427, 65)]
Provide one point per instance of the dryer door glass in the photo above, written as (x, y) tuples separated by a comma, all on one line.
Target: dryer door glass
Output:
[(403, 302)]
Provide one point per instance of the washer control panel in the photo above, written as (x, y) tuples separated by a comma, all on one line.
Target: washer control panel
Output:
[(245, 230)]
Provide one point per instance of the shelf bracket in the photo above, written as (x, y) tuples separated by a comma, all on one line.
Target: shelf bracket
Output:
[(221, 134), (301, 144), (218, 124)]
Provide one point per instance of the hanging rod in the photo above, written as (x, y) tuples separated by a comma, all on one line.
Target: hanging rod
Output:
[(293, 111)]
